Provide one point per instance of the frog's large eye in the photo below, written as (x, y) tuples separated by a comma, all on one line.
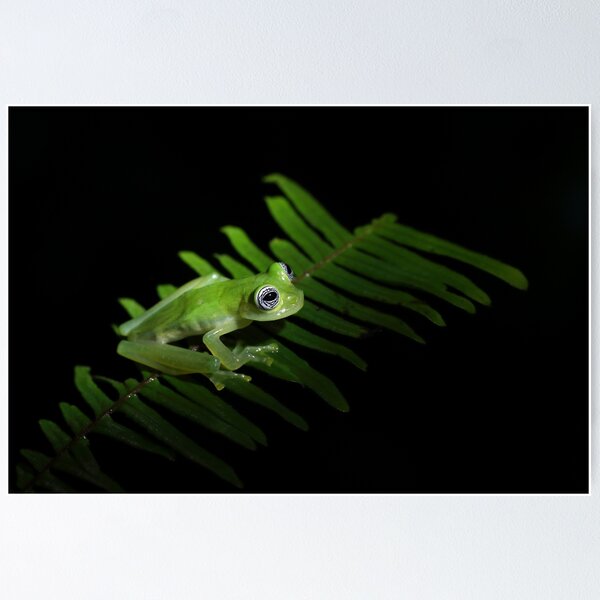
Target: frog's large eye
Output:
[(288, 270), (266, 297)]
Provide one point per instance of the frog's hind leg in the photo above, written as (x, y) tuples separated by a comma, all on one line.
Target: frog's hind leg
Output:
[(174, 360)]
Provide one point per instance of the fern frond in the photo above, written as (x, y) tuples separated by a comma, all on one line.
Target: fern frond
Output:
[(212, 403), (179, 404), (375, 276), (408, 236)]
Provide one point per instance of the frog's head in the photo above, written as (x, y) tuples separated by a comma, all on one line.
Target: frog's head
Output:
[(274, 296)]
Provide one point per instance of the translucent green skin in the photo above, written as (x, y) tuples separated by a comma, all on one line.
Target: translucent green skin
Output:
[(210, 306)]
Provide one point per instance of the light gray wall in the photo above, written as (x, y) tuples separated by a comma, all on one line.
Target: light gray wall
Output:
[(308, 547)]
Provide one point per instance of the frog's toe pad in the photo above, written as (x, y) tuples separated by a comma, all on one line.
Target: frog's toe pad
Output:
[(220, 379)]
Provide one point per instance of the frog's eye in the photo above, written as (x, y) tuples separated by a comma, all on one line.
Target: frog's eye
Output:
[(266, 297), (288, 270)]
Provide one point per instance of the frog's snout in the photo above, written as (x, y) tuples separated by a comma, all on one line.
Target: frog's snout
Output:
[(294, 301)]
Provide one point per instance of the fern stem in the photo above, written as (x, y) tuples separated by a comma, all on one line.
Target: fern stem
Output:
[(344, 248), (90, 426)]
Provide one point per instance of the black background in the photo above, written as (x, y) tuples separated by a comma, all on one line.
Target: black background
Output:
[(102, 199)]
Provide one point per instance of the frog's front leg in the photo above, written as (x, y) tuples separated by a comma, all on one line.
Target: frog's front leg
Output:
[(174, 360), (234, 359)]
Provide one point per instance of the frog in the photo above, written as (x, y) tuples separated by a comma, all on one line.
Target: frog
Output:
[(211, 306)]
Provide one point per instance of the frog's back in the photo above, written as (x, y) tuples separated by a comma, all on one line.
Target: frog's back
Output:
[(159, 319), (177, 316)]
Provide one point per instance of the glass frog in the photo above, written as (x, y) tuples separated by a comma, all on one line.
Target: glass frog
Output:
[(210, 306)]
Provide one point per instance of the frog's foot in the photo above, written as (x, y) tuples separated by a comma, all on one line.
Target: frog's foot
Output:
[(259, 354), (220, 379)]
